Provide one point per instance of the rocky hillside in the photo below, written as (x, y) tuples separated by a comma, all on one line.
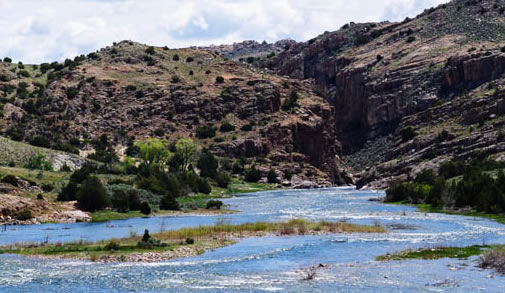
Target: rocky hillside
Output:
[(412, 94), (130, 91)]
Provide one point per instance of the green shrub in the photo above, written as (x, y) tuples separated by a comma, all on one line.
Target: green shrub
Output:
[(168, 202), (407, 133), (40, 141), (190, 241), (272, 176), (219, 79), (253, 175), (24, 214), (204, 186), (190, 59), (159, 132), (227, 127), (442, 136), (247, 127), (223, 179), (205, 131), (24, 73), (237, 168), (72, 92), (176, 57), (7, 60), (16, 133), (10, 179), (48, 187), (214, 204), (112, 245), (145, 208), (39, 162), (150, 50), (175, 79), (291, 101), (92, 195)]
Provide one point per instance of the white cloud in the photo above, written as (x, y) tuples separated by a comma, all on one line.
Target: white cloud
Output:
[(37, 31)]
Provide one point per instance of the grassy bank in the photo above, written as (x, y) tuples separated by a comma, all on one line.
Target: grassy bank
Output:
[(436, 253), (182, 242)]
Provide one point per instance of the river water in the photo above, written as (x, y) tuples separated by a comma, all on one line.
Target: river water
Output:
[(271, 264)]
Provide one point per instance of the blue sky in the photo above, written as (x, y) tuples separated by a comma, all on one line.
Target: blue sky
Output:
[(36, 31)]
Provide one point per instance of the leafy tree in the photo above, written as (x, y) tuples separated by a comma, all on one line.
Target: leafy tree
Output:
[(176, 57), (185, 148), (92, 195), (7, 60), (154, 153)]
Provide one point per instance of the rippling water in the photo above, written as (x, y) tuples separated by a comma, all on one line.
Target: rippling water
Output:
[(271, 263)]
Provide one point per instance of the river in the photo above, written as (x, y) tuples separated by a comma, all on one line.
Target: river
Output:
[(271, 264)]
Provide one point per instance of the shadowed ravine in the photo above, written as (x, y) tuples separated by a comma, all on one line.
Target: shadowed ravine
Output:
[(273, 263)]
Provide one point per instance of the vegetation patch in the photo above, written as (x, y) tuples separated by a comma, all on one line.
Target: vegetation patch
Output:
[(435, 253)]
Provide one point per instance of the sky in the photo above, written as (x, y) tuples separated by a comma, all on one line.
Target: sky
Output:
[(36, 31)]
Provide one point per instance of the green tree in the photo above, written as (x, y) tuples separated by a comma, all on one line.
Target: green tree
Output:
[(154, 153), (145, 208), (92, 195), (208, 165), (204, 186), (185, 148)]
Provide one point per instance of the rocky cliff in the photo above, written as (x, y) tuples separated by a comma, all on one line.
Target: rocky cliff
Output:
[(428, 75)]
